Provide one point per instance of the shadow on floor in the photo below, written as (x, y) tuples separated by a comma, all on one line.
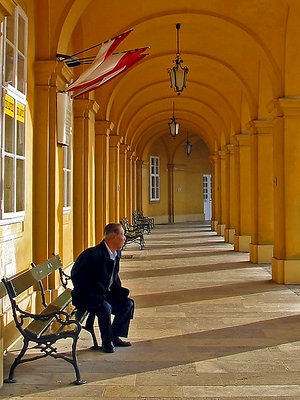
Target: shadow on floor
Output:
[(205, 293), (188, 269), (151, 355)]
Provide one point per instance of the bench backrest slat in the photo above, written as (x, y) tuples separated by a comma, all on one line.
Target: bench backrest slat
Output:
[(23, 281)]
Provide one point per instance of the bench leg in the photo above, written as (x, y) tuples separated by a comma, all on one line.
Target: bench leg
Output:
[(17, 361), (89, 326), (74, 362)]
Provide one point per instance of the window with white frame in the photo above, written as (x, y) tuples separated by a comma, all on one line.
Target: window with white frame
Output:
[(13, 104), (67, 171), (154, 178), (64, 137)]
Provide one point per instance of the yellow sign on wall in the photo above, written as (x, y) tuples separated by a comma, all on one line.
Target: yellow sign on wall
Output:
[(9, 106), (21, 112)]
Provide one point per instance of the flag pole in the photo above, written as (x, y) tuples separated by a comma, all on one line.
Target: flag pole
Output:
[(99, 44)]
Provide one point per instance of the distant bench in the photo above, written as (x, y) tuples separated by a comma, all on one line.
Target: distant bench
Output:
[(58, 320), (133, 234)]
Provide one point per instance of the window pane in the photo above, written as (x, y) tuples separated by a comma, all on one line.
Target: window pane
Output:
[(68, 188), (156, 182), (69, 164), (10, 28), (8, 184), (20, 185), (21, 73), (20, 129), (65, 188), (9, 133), (65, 150), (21, 35), (9, 64)]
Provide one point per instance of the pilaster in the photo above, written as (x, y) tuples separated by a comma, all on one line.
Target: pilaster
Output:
[(262, 226), (130, 155), (139, 177), (171, 193), (232, 195), (216, 194), (123, 179), (224, 187), (48, 162), (134, 183), (242, 161), (84, 173), (286, 260), (114, 178), (103, 130)]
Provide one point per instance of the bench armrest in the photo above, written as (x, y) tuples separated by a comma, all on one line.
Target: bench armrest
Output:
[(60, 316)]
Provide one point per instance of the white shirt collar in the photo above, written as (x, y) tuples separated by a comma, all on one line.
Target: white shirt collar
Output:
[(112, 255)]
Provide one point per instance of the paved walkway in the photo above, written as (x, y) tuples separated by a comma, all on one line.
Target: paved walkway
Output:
[(208, 325)]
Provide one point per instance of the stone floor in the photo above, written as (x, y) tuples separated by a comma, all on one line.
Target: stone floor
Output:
[(208, 325)]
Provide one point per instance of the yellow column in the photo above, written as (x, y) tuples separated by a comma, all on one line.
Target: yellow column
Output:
[(114, 178), (123, 180), (171, 193), (139, 190), (84, 174), (103, 129), (134, 183), (232, 196), (224, 190), (286, 260), (216, 194), (47, 162), (129, 184), (242, 229), (262, 218)]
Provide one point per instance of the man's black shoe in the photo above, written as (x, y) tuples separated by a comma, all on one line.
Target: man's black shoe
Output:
[(120, 343), (108, 348)]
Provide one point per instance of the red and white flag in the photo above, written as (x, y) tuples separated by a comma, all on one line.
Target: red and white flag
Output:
[(104, 52), (117, 70)]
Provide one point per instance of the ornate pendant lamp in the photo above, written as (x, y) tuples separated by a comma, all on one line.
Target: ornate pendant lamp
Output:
[(178, 73), (174, 125), (187, 146)]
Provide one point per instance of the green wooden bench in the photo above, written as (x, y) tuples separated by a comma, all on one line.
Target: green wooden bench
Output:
[(58, 320)]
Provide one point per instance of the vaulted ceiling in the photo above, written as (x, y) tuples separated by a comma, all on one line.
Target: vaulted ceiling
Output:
[(241, 55)]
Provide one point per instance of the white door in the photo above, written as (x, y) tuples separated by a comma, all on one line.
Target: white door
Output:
[(207, 196)]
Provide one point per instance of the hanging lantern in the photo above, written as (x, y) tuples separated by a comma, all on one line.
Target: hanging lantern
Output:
[(178, 73), (174, 125)]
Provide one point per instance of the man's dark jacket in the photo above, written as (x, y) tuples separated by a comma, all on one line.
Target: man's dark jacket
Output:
[(91, 274)]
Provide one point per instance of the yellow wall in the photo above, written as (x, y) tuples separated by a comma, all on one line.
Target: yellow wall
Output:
[(187, 180), (157, 209)]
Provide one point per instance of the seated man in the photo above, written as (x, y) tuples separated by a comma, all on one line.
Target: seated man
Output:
[(98, 289)]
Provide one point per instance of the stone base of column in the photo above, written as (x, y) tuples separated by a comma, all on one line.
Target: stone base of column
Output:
[(221, 229), (286, 271), (261, 253), (229, 235), (214, 226), (241, 243)]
